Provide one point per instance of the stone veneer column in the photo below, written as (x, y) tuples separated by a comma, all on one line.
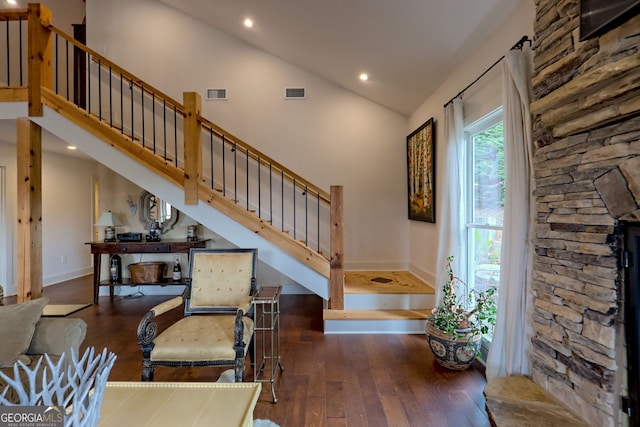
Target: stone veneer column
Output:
[(586, 172)]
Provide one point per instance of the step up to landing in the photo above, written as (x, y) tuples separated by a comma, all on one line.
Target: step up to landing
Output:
[(375, 321), (381, 302)]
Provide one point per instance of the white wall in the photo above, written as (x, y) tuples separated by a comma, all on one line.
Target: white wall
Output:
[(423, 240), (66, 219), (65, 12), (333, 137)]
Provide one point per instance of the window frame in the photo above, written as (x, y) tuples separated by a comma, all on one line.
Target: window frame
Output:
[(482, 124)]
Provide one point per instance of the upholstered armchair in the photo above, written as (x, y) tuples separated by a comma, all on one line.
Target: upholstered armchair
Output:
[(217, 326)]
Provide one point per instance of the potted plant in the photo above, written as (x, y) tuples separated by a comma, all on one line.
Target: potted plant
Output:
[(456, 326)]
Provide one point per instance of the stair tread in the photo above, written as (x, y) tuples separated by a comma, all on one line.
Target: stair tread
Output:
[(385, 282), (375, 314)]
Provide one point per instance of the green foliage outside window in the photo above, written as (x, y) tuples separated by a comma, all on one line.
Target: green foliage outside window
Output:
[(489, 166)]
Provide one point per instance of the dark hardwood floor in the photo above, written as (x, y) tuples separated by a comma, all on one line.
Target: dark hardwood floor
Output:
[(328, 380)]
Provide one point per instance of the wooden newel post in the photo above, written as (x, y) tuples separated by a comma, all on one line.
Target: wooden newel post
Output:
[(192, 152), (29, 147), (40, 56), (336, 275)]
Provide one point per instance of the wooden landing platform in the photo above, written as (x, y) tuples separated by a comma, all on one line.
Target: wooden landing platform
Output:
[(385, 282)]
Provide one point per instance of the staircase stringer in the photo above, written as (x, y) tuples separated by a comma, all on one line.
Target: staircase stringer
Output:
[(225, 223), (175, 175), (264, 229), (117, 140)]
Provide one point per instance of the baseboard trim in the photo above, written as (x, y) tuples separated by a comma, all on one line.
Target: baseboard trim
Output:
[(70, 275), (376, 265)]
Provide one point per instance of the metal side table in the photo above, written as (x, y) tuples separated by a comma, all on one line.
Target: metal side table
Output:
[(266, 305)]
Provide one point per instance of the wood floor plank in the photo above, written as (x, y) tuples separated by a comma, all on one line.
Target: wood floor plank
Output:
[(337, 422), (317, 378), (354, 404), (373, 409), (335, 399), (334, 353), (331, 380), (315, 412), (415, 410), (394, 411), (297, 407)]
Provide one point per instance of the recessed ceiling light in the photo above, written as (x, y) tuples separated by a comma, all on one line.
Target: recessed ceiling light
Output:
[(248, 22), (71, 147), (11, 1), (364, 77)]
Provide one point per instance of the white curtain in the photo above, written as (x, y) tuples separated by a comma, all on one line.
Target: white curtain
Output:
[(511, 337), (450, 209)]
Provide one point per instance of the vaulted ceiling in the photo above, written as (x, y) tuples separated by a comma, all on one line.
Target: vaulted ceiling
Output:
[(407, 47)]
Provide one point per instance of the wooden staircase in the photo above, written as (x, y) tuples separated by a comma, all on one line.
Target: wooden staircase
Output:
[(169, 148), (381, 302)]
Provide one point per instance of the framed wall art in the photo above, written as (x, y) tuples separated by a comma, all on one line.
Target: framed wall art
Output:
[(421, 172)]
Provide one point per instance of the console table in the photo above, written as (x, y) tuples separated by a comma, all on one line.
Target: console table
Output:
[(185, 404), (162, 247)]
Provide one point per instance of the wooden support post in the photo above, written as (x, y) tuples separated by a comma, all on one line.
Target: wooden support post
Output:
[(29, 159), (336, 275), (40, 56), (192, 150)]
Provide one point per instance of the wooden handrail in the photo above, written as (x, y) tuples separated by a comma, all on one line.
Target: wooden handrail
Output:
[(121, 142), (265, 160), (14, 14), (220, 132), (132, 78)]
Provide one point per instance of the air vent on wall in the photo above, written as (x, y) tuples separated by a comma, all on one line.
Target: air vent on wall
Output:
[(216, 95), (295, 93)]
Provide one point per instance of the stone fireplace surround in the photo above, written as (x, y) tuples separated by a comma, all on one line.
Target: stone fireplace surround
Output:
[(586, 107)]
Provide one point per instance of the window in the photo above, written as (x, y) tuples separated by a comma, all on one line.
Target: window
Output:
[(484, 200)]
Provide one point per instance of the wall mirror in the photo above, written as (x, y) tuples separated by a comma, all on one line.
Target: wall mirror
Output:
[(153, 209)]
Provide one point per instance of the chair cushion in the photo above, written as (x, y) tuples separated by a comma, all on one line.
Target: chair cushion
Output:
[(200, 338), (17, 324), (221, 279)]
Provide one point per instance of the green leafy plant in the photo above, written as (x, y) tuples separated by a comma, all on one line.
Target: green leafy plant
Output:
[(464, 312)]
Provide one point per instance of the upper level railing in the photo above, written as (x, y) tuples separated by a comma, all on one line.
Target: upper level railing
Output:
[(42, 57)]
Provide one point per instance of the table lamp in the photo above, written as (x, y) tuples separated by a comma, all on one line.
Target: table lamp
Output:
[(110, 221)]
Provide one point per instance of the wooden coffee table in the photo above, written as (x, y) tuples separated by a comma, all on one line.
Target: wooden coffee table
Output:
[(173, 404)]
